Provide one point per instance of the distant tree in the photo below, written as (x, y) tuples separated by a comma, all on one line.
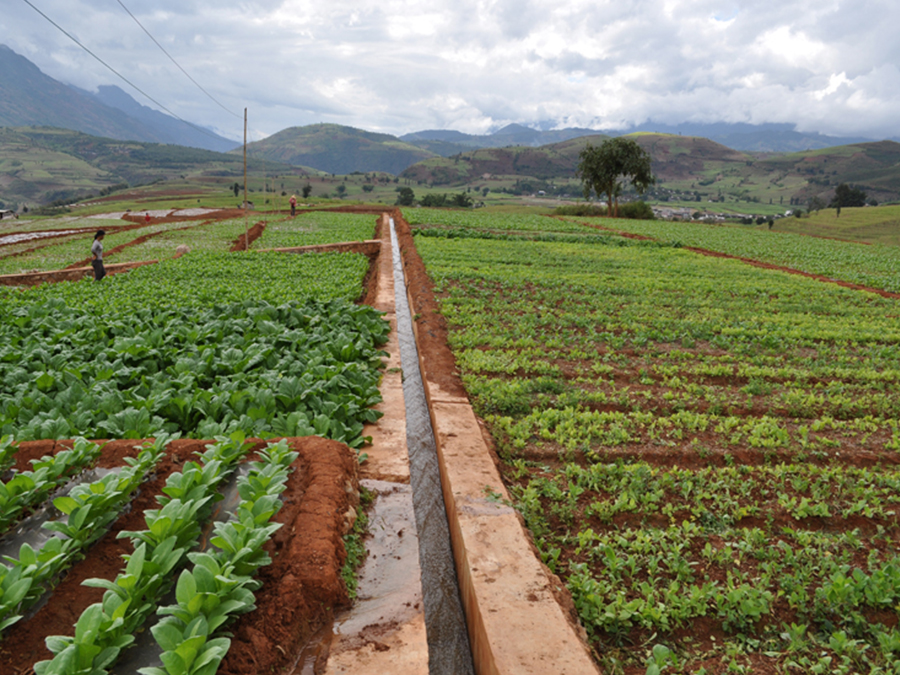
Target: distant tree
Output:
[(798, 213), (434, 200), (484, 191), (602, 169), (462, 200), (307, 191), (405, 196), (341, 190), (815, 204), (368, 188), (845, 195), (237, 188)]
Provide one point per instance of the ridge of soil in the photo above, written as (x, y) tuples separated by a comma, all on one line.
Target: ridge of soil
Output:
[(303, 584), (221, 214), (370, 281), (245, 241), (430, 326), (300, 588)]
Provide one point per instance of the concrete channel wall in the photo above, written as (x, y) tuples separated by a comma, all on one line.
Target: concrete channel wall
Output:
[(516, 623)]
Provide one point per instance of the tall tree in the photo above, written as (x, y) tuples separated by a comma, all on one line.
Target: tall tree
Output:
[(405, 196), (605, 169), (845, 195)]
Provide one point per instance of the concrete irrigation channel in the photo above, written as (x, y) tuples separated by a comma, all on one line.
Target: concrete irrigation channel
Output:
[(452, 584)]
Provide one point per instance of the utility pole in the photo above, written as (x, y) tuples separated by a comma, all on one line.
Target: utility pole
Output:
[(246, 229)]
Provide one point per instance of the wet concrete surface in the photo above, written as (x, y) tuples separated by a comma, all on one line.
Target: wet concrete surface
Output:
[(448, 642), (384, 632)]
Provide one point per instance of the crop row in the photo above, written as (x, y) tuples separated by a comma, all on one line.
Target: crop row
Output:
[(27, 489), (873, 266), (714, 497), (87, 511), (217, 587)]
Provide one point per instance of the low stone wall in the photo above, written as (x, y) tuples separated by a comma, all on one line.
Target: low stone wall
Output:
[(53, 276)]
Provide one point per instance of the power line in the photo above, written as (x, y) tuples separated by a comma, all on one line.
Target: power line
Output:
[(172, 59), (125, 79)]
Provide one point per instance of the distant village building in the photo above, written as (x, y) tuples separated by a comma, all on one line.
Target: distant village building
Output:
[(7, 213)]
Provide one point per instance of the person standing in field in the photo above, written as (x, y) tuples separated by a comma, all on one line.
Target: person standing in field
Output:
[(293, 201), (147, 217), (97, 256)]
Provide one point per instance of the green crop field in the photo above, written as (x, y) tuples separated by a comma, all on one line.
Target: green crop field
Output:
[(706, 452), (317, 227), (214, 344), (872, 266), (874, 225)]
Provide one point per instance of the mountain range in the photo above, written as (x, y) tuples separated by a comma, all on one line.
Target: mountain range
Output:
[(706, 160), (28, 97)]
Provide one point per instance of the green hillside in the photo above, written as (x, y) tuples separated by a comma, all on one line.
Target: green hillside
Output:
[(691, 169), (338, 149), (39, 165)]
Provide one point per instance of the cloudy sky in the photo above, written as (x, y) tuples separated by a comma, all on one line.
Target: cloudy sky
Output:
[(397, 66)]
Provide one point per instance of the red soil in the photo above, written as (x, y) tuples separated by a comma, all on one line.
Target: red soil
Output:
[(300, 587), (430, 326), (254, 233)]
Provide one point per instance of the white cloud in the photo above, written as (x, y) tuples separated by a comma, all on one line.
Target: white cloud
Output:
[(405, 65)]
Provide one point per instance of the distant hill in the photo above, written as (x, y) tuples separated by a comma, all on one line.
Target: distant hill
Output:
[(28, 97), (448, 143), (547, 162), (691, 168), (39, 165), (752, 137), (743, 137), (338, 149)]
